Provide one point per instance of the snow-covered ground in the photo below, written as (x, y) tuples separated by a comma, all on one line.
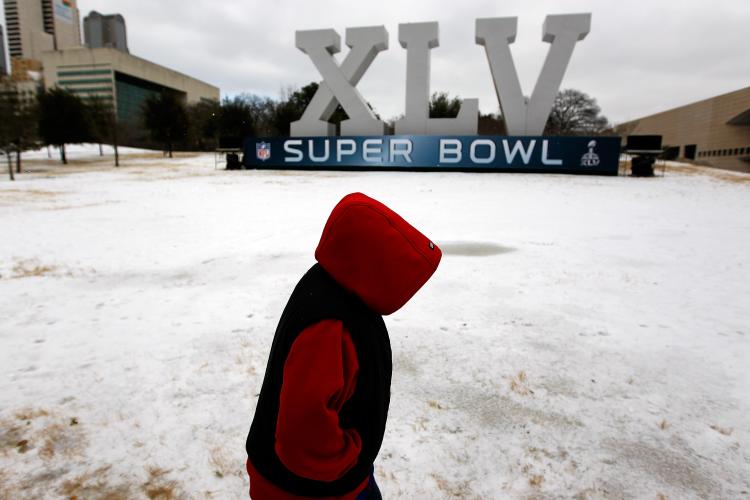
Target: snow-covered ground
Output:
[(584, 337)]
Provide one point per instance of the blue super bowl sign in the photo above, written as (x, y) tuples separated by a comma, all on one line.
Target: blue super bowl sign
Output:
[(574, 155), (422, 142)]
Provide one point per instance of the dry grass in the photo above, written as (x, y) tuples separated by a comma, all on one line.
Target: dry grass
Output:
[(420, 424), (28, 194), (4, 489), (223, 464), (12, 438), (726, 431), (30, 269), (663, 425), (460, 489), (519, 384), (536, 480), (29, 414), (435, 404), (94, 485), (57, 439), (694, 169), (60, 439), (158, 487), (716, 173)]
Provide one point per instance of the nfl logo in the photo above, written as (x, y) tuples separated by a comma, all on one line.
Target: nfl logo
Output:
[(262, 150)]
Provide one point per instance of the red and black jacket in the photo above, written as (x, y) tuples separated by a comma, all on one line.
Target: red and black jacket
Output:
[(322, 410)]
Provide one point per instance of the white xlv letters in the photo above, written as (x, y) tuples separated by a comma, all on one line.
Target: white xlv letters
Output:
[(523, 115), (529, 116), (418, 39), (338, 85)]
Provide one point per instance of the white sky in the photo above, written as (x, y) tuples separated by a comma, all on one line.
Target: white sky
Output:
[(640, 57)]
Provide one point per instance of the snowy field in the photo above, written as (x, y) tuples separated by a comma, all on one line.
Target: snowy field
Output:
[(584, 337)]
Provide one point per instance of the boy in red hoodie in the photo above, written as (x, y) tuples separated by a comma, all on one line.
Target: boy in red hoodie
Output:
[(322, 409)]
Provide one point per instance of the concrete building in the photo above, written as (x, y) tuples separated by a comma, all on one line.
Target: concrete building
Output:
[(62, 21), (36, 26), (120, 78), (25, 91), (105, 31), (3, 60), (714, 132), (27, 38)]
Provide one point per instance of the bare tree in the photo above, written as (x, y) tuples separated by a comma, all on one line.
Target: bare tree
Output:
[(575, 113)]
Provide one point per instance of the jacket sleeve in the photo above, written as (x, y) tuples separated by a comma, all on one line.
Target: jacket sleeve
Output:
[(320, 375)]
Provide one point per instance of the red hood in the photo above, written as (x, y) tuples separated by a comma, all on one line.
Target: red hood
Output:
[(374, 253)]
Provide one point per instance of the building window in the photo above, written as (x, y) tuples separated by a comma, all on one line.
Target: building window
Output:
[(85, 80), (132, 92), (85, 72)]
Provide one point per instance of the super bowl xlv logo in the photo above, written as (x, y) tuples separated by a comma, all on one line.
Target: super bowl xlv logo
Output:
[(523, 115)]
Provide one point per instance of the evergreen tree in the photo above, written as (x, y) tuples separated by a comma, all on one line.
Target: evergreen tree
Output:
[(62, 119), (166, 119), (19, 114), (8, 106), (293, 105), (441, 106)]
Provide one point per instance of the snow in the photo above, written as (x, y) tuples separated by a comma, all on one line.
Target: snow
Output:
[(584, 337)]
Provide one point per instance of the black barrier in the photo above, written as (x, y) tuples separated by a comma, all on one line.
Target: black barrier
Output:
[(571, 155)]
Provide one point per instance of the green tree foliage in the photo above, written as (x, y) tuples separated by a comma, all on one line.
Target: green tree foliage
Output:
[(491, 124), (19, 121), (293, 105), (62, 119), (166, 119), (575, 113), (442, 106)]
